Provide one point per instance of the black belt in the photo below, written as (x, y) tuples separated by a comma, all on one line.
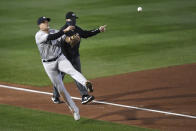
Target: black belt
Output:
[(53, 59)]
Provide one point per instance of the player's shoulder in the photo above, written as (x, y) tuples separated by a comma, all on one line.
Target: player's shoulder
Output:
[(39, 33), (78, 28)]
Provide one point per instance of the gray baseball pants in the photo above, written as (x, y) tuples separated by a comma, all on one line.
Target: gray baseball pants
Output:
[(76, 64), (54, 69)]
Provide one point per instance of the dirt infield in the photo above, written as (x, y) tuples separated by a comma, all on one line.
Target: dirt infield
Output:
[(171, 89)]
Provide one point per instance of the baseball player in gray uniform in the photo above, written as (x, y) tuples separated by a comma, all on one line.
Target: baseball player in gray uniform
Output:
[(48, 42)]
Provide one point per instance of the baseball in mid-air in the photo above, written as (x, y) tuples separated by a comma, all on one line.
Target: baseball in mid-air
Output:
[(139, 9)]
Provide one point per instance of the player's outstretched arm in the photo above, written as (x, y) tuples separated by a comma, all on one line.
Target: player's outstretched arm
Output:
[(89, 33)]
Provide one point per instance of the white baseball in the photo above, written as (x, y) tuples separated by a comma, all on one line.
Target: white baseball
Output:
[(139, 9)]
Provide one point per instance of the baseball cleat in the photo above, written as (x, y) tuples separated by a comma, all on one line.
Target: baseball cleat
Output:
[(89, 86), (87, 98), (55, 100), (76, 116)]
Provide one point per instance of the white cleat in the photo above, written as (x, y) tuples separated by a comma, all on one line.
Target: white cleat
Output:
[(76, 116)]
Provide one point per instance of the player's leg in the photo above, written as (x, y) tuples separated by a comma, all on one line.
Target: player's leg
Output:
[(56, 96), (64, 93), (76, 64), (65, 66), (56, 79), (86, 98)]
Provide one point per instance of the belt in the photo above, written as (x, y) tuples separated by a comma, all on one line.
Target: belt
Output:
[(53, 59)]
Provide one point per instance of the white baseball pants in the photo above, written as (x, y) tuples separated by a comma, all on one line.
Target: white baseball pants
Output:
[(53, 70)]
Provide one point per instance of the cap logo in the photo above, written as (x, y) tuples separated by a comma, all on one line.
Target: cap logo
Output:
[(44, 17), (73, 15)]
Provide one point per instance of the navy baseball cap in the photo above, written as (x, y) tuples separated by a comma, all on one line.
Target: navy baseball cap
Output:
[(70, 15), (42, 19)]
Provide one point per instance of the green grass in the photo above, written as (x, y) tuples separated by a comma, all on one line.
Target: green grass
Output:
[(162, 35), (21, 119)]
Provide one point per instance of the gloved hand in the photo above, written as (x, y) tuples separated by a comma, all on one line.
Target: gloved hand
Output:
[(72, 40)]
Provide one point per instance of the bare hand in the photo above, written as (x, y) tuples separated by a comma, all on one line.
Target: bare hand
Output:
[(69, 28), (102, 28)]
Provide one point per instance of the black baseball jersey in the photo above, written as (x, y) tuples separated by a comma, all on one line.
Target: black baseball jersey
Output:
[(73, 52)]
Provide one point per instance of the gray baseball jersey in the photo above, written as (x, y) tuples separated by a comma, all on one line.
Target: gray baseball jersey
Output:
[(48, 49)]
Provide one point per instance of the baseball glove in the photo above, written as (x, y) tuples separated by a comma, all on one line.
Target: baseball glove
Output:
[(72, 40)]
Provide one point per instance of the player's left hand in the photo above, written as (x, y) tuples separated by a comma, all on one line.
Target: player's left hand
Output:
[(73, 40), (102, 28)]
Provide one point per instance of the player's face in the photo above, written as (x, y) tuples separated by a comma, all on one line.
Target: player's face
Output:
[(44, 26), (71, 21)]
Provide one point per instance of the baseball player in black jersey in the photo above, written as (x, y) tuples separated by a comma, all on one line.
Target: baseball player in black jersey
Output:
[(72, 54)]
